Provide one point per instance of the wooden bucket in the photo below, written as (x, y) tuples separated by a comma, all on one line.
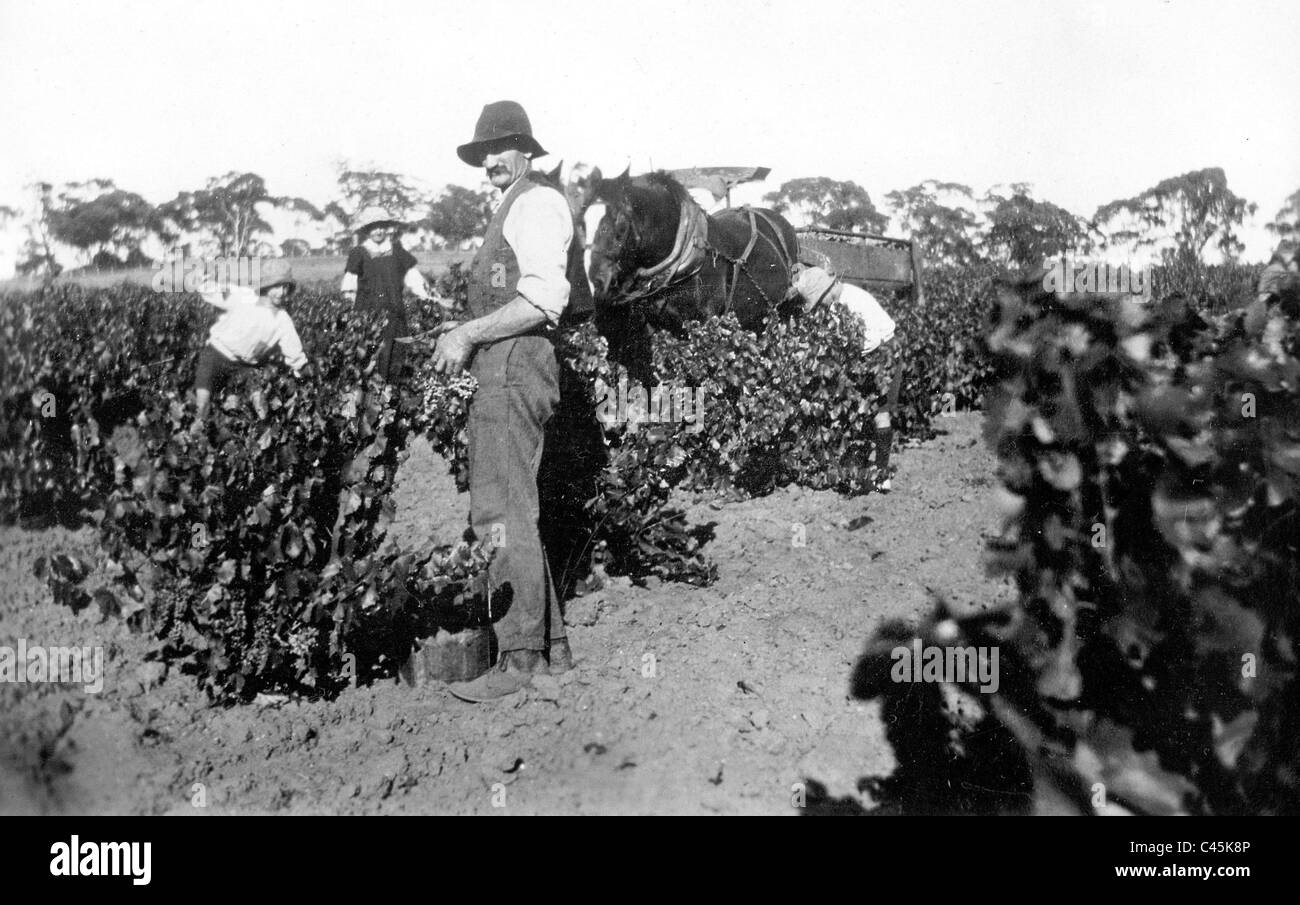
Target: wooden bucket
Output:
[(448, 657)]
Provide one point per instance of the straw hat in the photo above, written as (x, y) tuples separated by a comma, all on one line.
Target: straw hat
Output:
[(277, 273), (813, 283), (369, 217)]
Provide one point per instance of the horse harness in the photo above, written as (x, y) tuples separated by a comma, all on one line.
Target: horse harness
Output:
[(690, 248), (784, 254), (685, 260)]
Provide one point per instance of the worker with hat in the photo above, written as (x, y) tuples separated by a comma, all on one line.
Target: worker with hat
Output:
[(1277, 300), (1280, 280), (250, 326), (517, 293), (377, 272), (817, 285)]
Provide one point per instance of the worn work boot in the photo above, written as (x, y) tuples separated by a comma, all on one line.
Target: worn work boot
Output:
[(514, 672), (560, 656)]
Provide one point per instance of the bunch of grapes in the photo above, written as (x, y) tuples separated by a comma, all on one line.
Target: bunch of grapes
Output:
[(303, 641), (445, 396)]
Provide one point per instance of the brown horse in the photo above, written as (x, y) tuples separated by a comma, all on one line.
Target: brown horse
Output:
[(658, 260)]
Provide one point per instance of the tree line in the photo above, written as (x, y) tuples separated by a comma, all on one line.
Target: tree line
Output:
[(109, 226), (1181, 218)]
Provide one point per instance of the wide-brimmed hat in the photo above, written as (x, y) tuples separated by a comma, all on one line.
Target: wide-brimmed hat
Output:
[(276, 273), (813, 283), (369, 217), (501, 125)]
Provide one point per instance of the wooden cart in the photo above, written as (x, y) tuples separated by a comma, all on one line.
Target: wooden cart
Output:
[(871, 261)]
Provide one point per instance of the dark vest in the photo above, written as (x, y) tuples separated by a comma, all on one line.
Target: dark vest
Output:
[(493, 279)]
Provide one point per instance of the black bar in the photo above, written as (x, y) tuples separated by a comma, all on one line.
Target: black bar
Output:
[(303, 854)]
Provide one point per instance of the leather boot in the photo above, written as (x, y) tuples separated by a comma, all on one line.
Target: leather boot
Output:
[(560, 656), (514, 672)]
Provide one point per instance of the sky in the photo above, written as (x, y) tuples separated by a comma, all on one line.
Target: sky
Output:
[(1087, 101)]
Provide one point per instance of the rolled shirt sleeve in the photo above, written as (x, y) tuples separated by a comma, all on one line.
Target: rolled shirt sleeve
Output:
[(414, 281), (539, 229), (215, 297), (230, 298), (286, 337)]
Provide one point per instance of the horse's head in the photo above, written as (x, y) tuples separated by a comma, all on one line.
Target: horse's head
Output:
[(614, 246), (638, 230)]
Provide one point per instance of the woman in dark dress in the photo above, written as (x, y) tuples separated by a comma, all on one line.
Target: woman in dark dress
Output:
[(377, 273)]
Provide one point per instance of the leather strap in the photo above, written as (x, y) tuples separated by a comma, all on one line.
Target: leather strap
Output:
[(787, 257), (753, 237)]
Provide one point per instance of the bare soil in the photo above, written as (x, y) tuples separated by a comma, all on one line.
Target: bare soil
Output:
[(727, 699)]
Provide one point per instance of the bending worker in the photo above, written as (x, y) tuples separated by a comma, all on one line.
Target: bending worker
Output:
[(818, 286)]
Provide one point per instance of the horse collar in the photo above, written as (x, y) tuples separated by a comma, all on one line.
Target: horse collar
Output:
[(682, 262)]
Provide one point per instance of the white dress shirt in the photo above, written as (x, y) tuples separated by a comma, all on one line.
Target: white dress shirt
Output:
[(250, 326), (539, 228)]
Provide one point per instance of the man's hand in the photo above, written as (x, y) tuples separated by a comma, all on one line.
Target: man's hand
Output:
[(453, 350)]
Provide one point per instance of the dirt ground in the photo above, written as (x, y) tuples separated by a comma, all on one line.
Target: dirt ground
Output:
[(683, 700)]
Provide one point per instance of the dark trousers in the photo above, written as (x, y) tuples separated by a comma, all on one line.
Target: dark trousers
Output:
[(214, 370), (518, 390), (392, 354), (893, 385), (888, 400)]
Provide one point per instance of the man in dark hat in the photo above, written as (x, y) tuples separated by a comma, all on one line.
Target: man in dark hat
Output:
[(517, 293)]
